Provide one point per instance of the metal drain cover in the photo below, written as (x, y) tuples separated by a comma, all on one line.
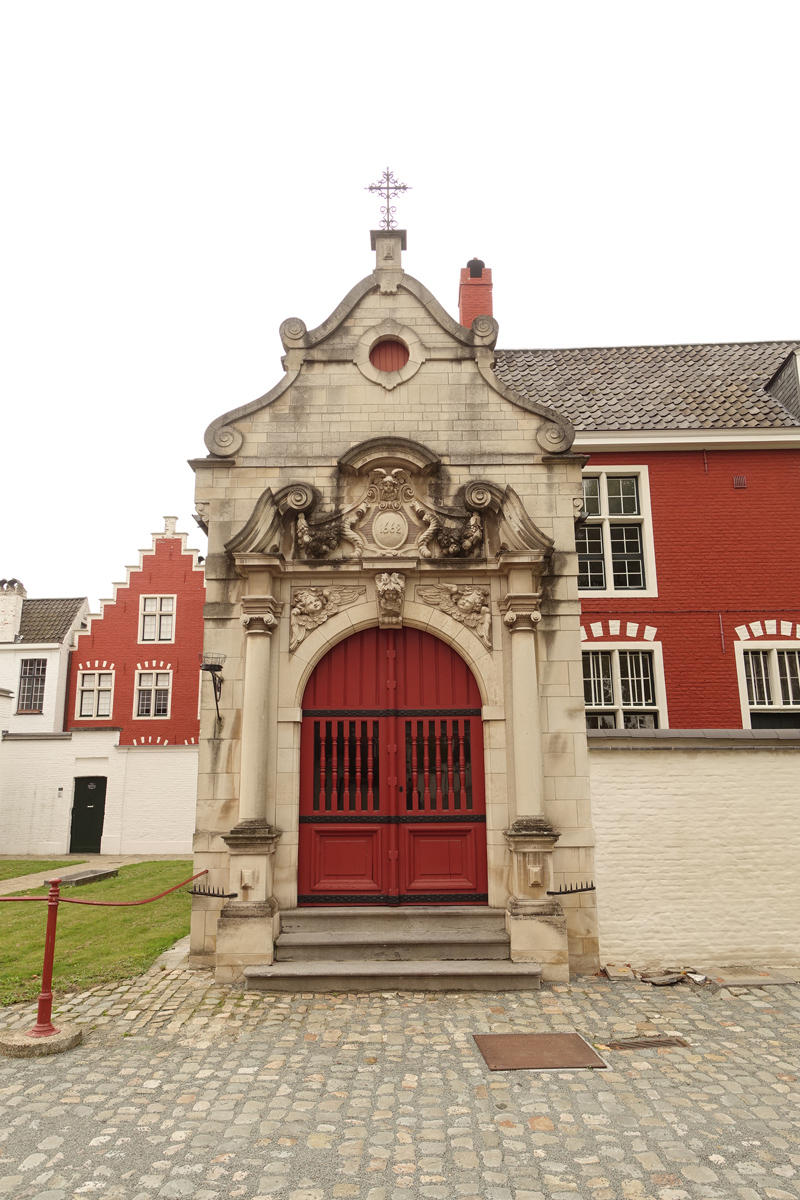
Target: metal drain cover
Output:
[(537, 1052)]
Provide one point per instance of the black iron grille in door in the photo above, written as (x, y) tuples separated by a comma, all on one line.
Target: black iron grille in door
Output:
[(438, 765), (346, 766)]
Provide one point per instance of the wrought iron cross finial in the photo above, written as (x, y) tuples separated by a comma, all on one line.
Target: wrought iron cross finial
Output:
[(388, 187)]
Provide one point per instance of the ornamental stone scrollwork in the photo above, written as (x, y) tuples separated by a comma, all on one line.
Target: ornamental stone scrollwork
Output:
[(389, 504), (485, 330), (312, 606), (390, 590), (260, 614), (316, 541), (520, 611), (466, 604), (292, 331), (259, 623), (554, 438), (225, 441)]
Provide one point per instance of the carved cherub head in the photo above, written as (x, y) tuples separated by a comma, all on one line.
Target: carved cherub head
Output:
[(471, 601), (310, 602)]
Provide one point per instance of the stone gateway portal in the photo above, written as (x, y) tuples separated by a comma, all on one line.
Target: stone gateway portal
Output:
[(392, 798), (399, 765)]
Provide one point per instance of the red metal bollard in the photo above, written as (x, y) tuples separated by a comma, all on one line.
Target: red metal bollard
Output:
[(44, 1026)]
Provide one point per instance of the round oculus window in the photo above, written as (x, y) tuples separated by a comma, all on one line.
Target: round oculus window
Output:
[(390, 355)]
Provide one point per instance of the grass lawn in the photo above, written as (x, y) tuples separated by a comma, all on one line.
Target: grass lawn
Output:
[(94, 945), (11, 867)]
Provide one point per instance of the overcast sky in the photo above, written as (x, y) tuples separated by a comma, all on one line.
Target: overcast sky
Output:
[(180, 177)]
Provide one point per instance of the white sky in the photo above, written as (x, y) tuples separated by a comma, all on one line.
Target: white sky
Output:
[(182, 176)]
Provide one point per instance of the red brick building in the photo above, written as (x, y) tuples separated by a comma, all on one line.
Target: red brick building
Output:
[(136, 666), (688, 543)]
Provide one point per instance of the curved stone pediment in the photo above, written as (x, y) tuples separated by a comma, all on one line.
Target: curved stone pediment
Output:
[(389, 511)]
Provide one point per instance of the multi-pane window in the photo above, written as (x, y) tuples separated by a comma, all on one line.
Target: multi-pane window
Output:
[(610, 544), (94, 693), (157, 619), (31, 685), (772, 681), (619, 689), (152, 693)]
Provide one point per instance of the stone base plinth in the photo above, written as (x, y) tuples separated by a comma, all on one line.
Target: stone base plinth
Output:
[(245, 938), (19, 1045), (538, 932)]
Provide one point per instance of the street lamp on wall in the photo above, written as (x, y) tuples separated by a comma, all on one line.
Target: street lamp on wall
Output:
[(213, 663)]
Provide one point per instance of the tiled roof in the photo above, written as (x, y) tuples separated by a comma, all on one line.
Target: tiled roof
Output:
[(48, 620), (654, 387)]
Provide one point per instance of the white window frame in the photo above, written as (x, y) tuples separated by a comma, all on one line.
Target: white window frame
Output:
[(659, 683), (772, 645), (644, 519), (174, 614), (96, 671), (136, 689)]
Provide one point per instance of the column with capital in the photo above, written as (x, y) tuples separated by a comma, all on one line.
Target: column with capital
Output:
[(536, 922), (245, 933)]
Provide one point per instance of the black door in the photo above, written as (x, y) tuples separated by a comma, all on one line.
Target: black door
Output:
[(88, 810)]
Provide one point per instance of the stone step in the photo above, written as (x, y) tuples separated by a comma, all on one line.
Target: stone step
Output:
[(391, 945), (421, 975), (429, 921)]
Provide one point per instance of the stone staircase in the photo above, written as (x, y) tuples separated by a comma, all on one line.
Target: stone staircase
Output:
[(443, 948)]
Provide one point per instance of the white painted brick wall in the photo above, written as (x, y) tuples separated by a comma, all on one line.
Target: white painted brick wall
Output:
[(150, 796), (697, 855), (157, 810)]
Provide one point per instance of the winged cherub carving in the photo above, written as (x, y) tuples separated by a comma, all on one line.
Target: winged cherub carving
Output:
[(466, 604), (312, 606)]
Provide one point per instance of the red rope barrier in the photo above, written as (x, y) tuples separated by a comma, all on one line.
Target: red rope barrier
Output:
[(44, 1026)]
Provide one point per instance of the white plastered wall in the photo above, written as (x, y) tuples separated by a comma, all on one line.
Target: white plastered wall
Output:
[(150, 796), (696, 855)]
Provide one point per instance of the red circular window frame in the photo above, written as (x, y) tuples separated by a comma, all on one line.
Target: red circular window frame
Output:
[(389, 355)]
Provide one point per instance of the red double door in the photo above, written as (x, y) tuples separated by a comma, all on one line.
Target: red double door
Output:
[(392, 800)]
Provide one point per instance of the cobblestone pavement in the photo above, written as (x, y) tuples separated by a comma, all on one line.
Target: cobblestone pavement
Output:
[(185, 1088)]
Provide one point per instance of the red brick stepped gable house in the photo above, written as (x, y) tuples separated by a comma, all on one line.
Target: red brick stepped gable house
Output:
[(118, 772), (136, 665)]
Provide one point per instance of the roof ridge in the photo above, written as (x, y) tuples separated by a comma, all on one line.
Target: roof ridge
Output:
[(647, 346)]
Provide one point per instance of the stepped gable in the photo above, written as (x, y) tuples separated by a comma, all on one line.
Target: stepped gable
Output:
[(706, 386), (48, 620)]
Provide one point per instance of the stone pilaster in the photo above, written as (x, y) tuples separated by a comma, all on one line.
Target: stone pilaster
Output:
[(521, 616), (260, 619), (246, 928), (535, 921)]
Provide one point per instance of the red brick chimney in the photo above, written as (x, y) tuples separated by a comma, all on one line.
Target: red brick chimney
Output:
[(475, 292)]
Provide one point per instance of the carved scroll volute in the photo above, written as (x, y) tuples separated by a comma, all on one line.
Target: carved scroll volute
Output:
[(299, 497)]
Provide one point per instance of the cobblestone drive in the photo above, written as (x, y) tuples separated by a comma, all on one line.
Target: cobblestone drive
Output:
[(184, 1088)]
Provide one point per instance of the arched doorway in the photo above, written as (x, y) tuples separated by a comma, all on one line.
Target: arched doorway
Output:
[(392, 797)]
